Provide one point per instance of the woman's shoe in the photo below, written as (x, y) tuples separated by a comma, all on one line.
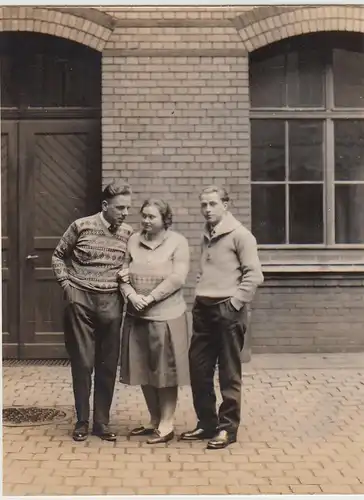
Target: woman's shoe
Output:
[(142, 431), (158, 438)]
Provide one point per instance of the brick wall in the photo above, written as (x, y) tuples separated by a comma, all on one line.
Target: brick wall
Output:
[(172, 125), (313, 314), (175, 117), (173, 13)]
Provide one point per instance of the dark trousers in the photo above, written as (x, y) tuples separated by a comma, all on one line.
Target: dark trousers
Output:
[(218, 337), (92, 339)]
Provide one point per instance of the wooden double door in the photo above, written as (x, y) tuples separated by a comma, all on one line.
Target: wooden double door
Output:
[(50, 175)]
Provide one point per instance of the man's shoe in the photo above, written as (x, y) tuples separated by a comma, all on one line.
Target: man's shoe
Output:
[(158, 438), (103, 432), (80, 432), (197, 434), (142, 431), (221, 440)]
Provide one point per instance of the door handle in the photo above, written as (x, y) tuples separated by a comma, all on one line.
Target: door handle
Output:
[(31, 257)]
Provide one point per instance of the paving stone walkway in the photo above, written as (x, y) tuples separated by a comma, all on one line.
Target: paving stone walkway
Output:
[(302, 432)]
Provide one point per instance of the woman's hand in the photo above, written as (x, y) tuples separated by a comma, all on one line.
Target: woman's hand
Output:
[(139, 302), (149, 299)]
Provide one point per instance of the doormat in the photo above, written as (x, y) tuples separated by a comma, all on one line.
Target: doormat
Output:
[(33, 415)]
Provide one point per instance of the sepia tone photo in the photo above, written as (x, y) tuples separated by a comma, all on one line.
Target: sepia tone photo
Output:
[(182, 223)]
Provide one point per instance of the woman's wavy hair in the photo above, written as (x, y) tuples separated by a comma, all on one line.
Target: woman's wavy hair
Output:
[(163, 208)]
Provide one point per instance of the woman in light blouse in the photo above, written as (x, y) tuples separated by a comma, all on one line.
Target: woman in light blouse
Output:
[(155, 341)]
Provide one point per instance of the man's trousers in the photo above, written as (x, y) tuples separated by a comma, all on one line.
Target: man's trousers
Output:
[(92, 338), (218, 338)]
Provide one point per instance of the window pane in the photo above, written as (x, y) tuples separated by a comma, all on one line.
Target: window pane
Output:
[(305, 79), (294, 79), (267, 82), (305, 150), (8, 91), (268, 214), (305, 214), (267, 150), (348, 67), (349, 150), (349, 213)]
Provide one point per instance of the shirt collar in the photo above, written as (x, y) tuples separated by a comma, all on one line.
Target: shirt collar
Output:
[(226, 225), (104, 221), (153, 244)]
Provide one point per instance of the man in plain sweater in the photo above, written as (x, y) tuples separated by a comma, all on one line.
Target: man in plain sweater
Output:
[(229, 275), (86, 262)]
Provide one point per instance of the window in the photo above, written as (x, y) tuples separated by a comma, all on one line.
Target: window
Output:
[(59, 73), (307, 141)]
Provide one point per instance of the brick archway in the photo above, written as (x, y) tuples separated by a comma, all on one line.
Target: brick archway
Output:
[(83, 25), (271, 24)]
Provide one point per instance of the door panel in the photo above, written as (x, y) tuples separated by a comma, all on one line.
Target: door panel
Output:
[(59, 182), (51, 174), (9, 247)]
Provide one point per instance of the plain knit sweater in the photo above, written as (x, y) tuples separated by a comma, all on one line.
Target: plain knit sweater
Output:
[(89, 256), (158, 269), (229, 264)]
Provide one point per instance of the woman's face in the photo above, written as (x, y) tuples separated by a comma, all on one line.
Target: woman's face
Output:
[(152, 221)]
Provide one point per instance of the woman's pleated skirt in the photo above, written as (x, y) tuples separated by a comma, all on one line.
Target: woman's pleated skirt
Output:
[(155, 352)]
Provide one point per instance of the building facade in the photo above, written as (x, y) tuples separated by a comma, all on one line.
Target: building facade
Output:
[(265, 100)]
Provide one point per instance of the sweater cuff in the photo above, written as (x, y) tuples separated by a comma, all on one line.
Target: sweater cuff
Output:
[(64, 283), (155, 299)]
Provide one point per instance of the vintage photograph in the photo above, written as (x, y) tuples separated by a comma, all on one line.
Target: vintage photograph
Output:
[(182, 227)]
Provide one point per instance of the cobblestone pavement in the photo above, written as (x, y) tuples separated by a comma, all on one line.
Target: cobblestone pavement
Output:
[(302, 432)]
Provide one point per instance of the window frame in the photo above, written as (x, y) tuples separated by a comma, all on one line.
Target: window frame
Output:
[(329, 251)]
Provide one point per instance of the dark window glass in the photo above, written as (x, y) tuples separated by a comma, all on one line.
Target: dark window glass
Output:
[(305, 150), (295, 79), (45, 71), (349, 150), (8, 90), (267, 82), (64, 81), (291, 153), (267, 150), (268, 213), (306, 214), (305, 79), (349, 213), (348, 68)]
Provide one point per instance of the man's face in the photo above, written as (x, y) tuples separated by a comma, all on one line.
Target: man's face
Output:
[(213, 208), (116, 209)]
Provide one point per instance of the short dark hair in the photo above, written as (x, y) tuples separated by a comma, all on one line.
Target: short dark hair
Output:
[(163, 208), (115, 188), (223, 194)]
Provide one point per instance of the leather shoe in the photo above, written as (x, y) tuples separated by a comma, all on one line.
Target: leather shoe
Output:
[(142, 431), (197, 434), (80, 432), (103, 432), (221, 440), (159, 438)]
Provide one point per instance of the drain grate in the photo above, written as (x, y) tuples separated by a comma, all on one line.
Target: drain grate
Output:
[(33, 415), (35, 362)]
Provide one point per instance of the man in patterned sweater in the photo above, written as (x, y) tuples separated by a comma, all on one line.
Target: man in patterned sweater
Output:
[(86, 262)]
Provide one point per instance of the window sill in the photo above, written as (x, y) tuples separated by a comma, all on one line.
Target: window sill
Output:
[(312, 260), (312, 268)]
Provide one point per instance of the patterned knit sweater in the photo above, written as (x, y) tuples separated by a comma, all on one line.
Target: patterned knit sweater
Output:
[(89, 255), (158, 269)]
